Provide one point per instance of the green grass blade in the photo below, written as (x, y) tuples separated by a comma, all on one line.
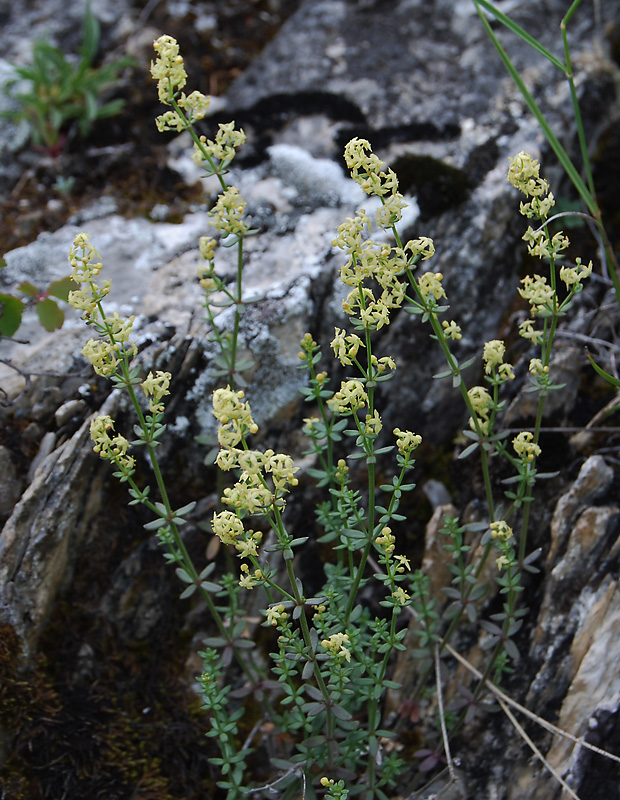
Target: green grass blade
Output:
[(534, 108), (605, 375), (521, 33)]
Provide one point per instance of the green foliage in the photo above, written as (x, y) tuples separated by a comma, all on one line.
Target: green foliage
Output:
[(50, 314), (11, 309), (61, 90)]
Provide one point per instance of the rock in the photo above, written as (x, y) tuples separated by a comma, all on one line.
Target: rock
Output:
[(41, 539), (47, 444), (68, 410), (10, 484), (594, 479)]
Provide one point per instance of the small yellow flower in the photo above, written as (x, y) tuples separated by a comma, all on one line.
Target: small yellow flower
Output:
[(452, 330), (527, 331), (403, 563), (335, 644), (373, 425), (400, 595), (275, 614), (247, 581)]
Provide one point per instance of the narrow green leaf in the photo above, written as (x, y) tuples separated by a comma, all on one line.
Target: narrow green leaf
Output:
[(605, 375), (522, 34)]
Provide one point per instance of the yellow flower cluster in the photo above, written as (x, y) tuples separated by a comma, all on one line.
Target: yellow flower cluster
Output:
[(335, 644), (493, 357), (537, 367), (524, 174), (85, 267), (572, 276), (501, 530), (540, 245), (250, 580), (227, 527), (155, 387), (349, 398), (168, 69), (501, 533), (207, 246), (406, 441), (345, 346), (538, 293), (369, 260), (482, 403), (527, 331), (452, 330), (224, 148), (429, 285), (169, 72), (525, 447), (113, 448), (234, 416), (228, 212), (365, 168), (103, 354), (251, 493)]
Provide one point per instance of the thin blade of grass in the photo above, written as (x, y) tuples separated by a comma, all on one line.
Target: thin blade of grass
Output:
[(522, 34), (534, 108)]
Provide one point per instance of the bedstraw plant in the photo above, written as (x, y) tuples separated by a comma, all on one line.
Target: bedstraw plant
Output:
[(321, 689)]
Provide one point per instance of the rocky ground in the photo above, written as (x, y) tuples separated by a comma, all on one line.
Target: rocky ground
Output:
[(100, 704)]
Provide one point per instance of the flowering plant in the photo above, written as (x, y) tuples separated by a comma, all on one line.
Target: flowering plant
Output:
[(322, 687), (60, 91)]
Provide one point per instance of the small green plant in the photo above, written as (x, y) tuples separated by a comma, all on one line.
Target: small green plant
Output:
[(61, 90), (50, 314), (322, 686)]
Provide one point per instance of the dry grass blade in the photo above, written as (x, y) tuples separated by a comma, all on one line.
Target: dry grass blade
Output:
[(579, 740)]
